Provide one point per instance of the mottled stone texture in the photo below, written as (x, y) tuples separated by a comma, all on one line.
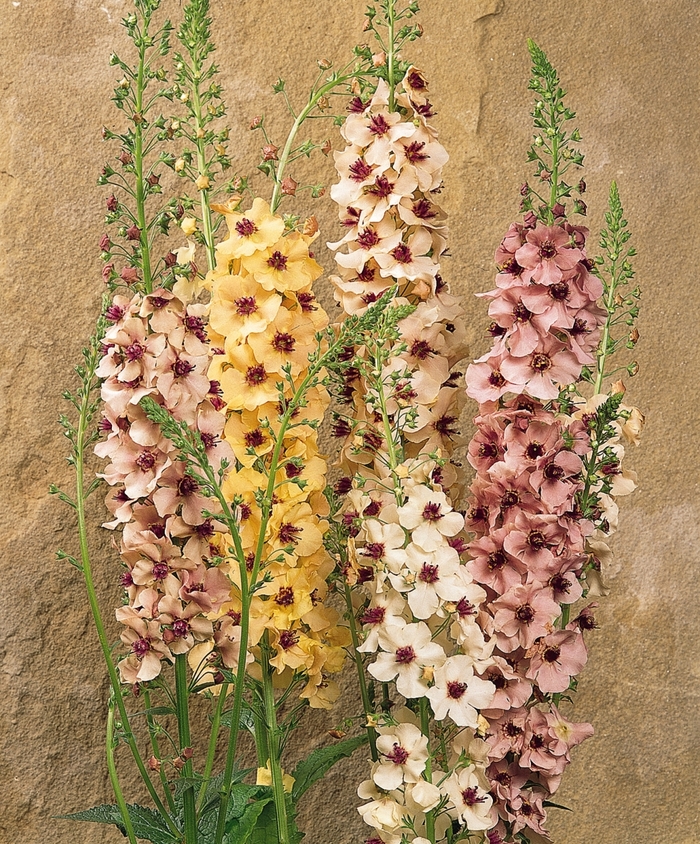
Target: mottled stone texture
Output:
[(632, 77)]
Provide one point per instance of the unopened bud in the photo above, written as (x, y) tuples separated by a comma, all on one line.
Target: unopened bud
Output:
[(188, 225), (324, 64), (256, 123), (200, 132), (289, 186), (179, 165), (202, 182), (633, 368), (129, 275), (379, 59)]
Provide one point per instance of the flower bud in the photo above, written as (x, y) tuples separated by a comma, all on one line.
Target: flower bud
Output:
[(269, 152), (324, 64), (179, 165), (202, 182), (256, 123), (188, 225), (289, 186)]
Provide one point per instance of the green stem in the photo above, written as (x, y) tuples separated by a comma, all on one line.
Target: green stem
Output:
[(391, 57), (202, 168), (603, 347), (113, 777), (152, 732), (272, 731), (301, 117), (211, 751), (138, 168), (81, 437), (261, 748), (183, 728), (428, 773), (364, 693)]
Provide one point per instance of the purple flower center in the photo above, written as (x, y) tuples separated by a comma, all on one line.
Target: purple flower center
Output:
[(246, 227), (402, 254), (367, 239), (180, 628), (421, 349), (398, 754), (541, 362), (551, 653), (405, 655), (525, 613), (289, 533), (375, 550), (255, 375), (414, 152), (360, 170), (470, 796), (496, 379), (455, 689), (160, 571), (141, 647), (182, 368), (378, 125), (536, 540), (146, 461), (381, 188), (283, 343), (285, 596), (187, 486), (277, 261), (373, 615), (553, 472), (496, 560), (534, 450), (559, 291), (547, 249), (135, 351), (431, 512), (429, 574), (246, 305), (288, 638)]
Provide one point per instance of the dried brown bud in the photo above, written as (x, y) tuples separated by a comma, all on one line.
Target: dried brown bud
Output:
[(289, 186), (379, 59), (634, 336), (338, 734), (256, 122), (187, 753), (617, 388), (326, 147), (310, 226), (269, 152), (154, 764), (125, 158), (324, 103), (129, 275), (324, 64)]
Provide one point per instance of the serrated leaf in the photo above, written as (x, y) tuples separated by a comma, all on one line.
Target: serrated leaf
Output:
[(321, 760), (147, 823), (239, 830)]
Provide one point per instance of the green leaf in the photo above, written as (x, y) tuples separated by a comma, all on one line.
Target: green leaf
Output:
[(321, 760), (240, 829), (265, 829), (148, 824)]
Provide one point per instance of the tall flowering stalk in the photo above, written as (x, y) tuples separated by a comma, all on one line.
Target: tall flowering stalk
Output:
[(412, 603), (212, 391), (548, 465)]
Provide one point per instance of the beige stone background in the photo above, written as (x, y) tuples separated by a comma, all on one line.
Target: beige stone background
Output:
[(631, 71)]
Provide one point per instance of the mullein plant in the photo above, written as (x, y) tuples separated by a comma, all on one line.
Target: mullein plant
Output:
[(212, 390), (215, 365), (413, 605), (547, 454)]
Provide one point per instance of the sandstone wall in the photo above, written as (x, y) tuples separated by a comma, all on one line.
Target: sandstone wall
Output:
[(631, 71)]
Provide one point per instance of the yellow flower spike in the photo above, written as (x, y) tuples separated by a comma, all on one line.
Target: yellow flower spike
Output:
[(239, 307), (249, 231), (285, 265)]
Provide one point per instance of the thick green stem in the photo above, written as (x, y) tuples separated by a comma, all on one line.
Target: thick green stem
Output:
[(273, 744), (113, 777), (364, 693), (182, 693), (211, 751)]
